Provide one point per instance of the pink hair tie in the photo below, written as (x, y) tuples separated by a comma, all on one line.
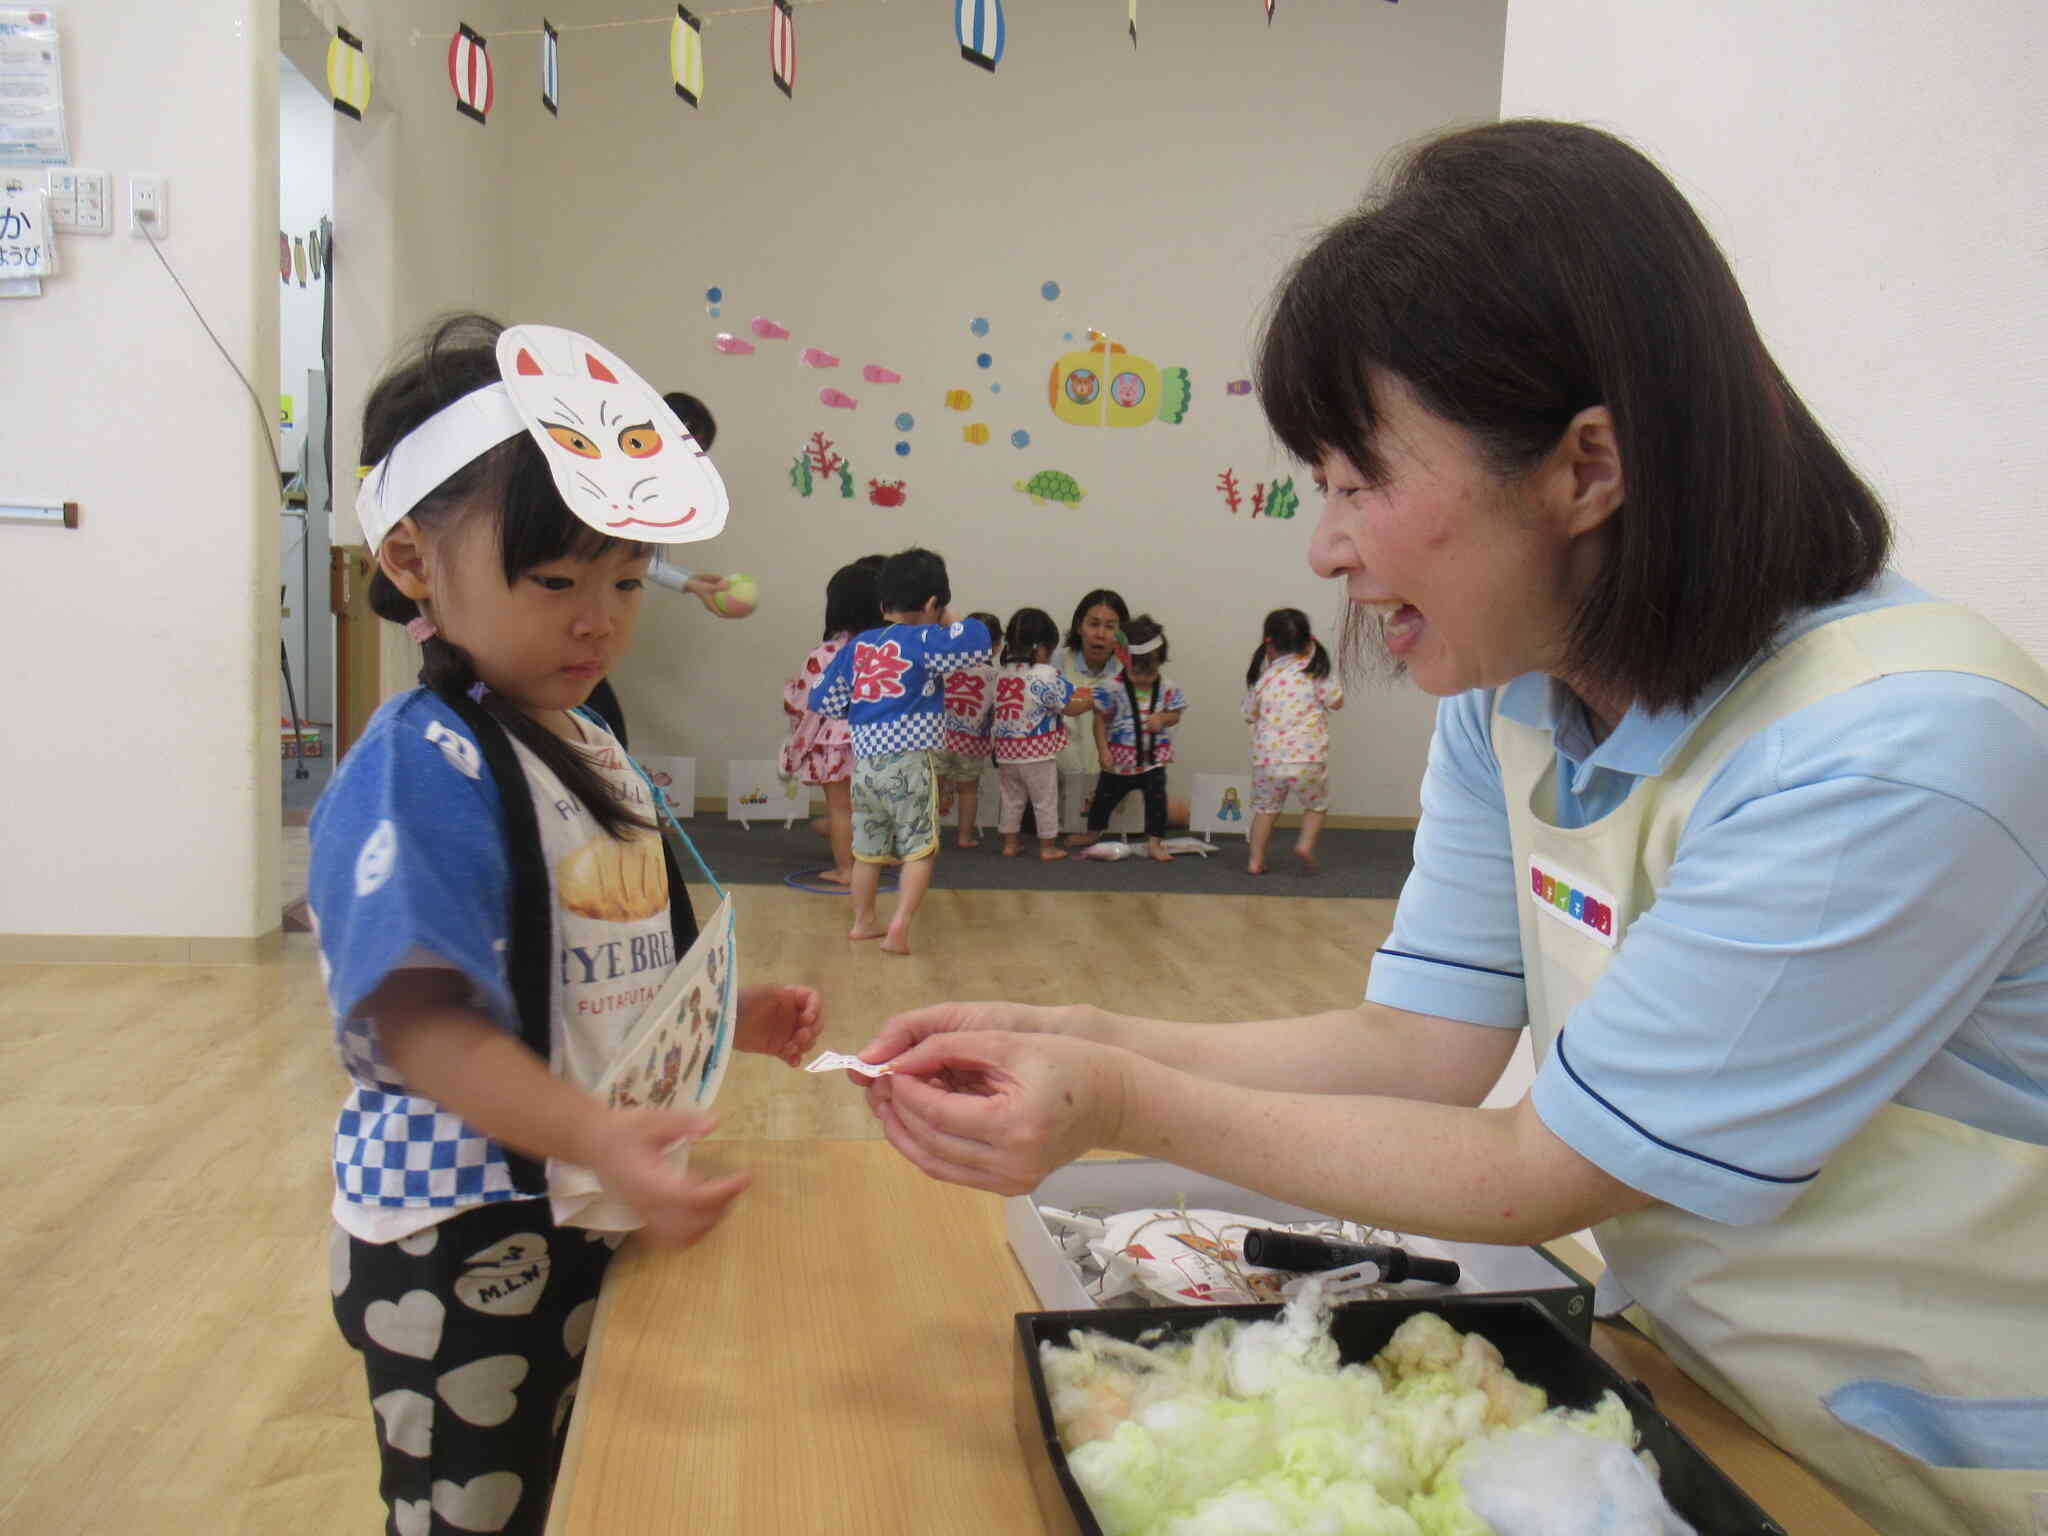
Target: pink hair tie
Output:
[(421, 629)]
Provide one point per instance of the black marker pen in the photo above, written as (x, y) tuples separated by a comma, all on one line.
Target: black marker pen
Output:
[(1297, 1251)]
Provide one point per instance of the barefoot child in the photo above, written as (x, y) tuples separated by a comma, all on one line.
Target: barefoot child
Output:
[(890, 685), (970, 695), (819, 751), (1138, 714), (1290, 695), (1032, 699)]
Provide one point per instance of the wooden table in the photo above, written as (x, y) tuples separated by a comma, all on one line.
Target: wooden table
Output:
[(837, 1357)]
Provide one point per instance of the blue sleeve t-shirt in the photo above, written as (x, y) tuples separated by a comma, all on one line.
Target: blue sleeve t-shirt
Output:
[(408, 864), (890, 684), (1857, 915)]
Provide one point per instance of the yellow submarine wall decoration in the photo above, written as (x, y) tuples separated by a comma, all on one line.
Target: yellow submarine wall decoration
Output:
[(1106, 386)]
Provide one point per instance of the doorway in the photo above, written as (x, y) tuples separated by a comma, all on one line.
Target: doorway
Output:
[(303, 428)]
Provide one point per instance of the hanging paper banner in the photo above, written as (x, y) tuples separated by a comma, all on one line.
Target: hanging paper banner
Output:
[(348, 74), (1134, 23), (299, 260), (782, 46), (1269, 12), (284, 256), (469, 72), (313, 252), (979, 26), (550, 68), (686, 56)]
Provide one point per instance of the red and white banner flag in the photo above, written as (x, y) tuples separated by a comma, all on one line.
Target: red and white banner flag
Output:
[(782, 46), (469, 73)]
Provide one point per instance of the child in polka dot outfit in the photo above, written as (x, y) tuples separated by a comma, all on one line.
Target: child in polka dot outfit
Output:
[(1290, 693)]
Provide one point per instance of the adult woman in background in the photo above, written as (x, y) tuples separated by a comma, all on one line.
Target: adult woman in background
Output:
[(1752, 815)]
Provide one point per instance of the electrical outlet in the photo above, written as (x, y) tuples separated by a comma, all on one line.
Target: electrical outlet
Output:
[(148, 203)]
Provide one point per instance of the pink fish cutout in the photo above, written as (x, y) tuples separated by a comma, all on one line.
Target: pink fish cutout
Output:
[(818, 357), (837, 398), (768, 330), (875, 373), (728, 343)]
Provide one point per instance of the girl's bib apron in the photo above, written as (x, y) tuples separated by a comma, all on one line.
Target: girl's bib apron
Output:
[(1916, 1257)]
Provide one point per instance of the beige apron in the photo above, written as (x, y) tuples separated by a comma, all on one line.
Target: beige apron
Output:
[(1935, 1280)]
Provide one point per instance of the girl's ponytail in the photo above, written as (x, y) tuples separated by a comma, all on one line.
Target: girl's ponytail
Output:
[(1288, 633)]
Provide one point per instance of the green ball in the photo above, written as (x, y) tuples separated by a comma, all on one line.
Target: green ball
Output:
[(738, 599)]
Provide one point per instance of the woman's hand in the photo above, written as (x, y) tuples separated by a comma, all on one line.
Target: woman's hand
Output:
[(627, 1151), (778, 1021), (1000, 1111), (905, 1030)]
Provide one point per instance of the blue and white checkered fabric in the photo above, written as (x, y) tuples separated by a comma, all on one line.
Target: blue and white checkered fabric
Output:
[(391, 1149), (900, 733)]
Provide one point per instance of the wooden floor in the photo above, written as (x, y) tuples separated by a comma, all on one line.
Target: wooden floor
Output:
[(168, 1362)]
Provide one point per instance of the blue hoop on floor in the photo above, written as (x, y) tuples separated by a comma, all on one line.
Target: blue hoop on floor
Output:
[(800, 882)]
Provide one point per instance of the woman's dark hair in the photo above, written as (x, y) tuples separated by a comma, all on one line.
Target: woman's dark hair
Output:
[(1100, 597), (1287, 633), (992, 624), (911, 578), (510, 485), (851, 606), (1516, 274), (1029, 629)]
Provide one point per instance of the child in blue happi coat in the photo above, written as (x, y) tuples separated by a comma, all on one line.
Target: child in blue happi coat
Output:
[(496, 910)]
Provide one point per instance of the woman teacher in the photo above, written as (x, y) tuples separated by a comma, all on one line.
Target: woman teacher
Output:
[(1746, 828)]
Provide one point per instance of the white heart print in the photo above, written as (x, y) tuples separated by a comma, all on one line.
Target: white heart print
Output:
[(482, 1392), (409, 1326), (482, 1504)]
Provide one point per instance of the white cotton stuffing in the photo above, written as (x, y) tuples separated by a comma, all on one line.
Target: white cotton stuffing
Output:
[(1240, 1429)]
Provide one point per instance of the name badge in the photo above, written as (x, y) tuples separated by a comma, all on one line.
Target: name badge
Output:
[(1569, 899)]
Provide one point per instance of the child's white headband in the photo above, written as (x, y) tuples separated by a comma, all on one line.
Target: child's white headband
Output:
[(1145, 647), (430, 453), (622, 461)]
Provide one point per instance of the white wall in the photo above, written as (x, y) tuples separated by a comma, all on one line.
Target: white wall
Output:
[(1874, 173), (139, 765), (901, 194), (305, 196)]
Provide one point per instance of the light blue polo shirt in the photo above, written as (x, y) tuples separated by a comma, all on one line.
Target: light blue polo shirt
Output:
[(1857, 915)]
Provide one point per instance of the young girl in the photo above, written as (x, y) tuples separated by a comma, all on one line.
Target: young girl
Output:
[(1290, 696), (1089, 660), (970, 696), (494, 910), (1137, 715), (819, 750), (1031, 700)]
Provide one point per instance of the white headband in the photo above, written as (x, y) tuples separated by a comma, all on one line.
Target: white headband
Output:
[(623, 463), (1145, 647), (430, 453)]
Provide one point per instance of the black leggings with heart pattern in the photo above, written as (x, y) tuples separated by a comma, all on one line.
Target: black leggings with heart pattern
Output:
[(472, 1335)]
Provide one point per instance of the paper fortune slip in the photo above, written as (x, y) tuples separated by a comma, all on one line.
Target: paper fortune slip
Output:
[(839, 1061)]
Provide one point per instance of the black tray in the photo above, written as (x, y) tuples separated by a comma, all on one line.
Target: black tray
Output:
[(1535, 1345)]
